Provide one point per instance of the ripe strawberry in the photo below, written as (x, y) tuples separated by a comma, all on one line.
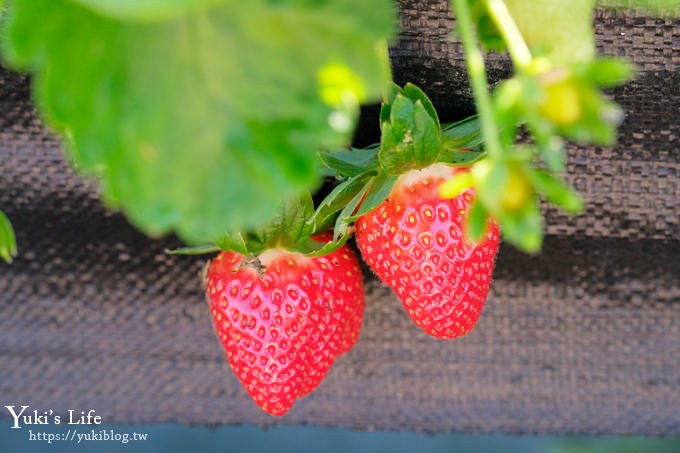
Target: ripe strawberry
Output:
[(415, 242), (283, 321)]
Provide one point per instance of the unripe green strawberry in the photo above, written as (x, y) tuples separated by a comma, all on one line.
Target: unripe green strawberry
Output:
[(561, 29), (415, 242), (283, 319)]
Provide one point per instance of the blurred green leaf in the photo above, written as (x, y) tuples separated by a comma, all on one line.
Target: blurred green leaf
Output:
[(148, 9), (206, 121), (559, 30), (8, 244)]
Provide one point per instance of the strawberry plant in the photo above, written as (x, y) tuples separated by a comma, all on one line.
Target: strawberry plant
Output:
[(216, 120)]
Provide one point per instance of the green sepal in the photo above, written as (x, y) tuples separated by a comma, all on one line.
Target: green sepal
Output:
[(556, 191), (380, 187), (342, 223), (460, 158), (524, 228), (290, 229), (341, 230), (601, 118), (386, 108), (414, 93), (318, 249), (550, 147), (234, 242), (351, 162), (336, 201), (609, 71), (410, 139), (8, 243), (466, 134)]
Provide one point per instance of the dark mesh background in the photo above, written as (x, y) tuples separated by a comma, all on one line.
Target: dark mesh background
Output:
[(583, 338)]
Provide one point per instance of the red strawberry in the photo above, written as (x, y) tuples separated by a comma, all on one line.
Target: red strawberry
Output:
[(415, 242), (284, 322)]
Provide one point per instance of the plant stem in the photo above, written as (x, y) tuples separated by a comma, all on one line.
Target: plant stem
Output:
[(478, 80), (517, 47)]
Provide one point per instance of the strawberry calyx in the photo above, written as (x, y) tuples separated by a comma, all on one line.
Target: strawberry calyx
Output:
[(291, 231), (412, 138)]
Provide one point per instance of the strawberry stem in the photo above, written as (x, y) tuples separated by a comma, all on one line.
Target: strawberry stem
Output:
[(478, 79), (517, 47)]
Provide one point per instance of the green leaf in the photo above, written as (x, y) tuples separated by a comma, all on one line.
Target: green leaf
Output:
[(351, 162), (466, 133), (206, 121), (556, 191), (336, 201), (8, 243), (147, 9), (380, 187)]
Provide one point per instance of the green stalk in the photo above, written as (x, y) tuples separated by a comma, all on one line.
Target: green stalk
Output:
[(478, 79), (517, 47)]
